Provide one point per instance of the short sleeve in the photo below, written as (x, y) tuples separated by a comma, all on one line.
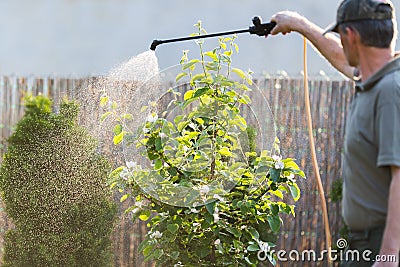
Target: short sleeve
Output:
[(388, 127)]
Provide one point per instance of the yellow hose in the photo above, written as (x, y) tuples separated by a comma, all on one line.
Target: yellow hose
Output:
[(314, 156)]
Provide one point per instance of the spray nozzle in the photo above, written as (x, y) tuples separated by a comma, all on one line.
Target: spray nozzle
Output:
[(154, 44)]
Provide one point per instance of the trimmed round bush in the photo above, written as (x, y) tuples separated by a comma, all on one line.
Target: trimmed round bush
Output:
[(53, 183)]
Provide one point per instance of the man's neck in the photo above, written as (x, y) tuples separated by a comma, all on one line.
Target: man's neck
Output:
[(373, 59)]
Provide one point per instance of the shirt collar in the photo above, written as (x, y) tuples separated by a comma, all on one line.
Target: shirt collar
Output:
[(391, 66)]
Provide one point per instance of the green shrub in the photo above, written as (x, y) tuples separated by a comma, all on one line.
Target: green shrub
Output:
[(209, 194), (53, 184)]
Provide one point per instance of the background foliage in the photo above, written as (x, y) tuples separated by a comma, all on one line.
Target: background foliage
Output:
[(52, 181)]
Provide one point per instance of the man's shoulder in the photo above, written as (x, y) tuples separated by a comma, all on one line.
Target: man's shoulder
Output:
[(389, 88)]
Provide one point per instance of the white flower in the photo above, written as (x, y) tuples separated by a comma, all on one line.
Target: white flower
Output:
[(194, 210), (264, 246), (279, 165), (131, 164), (156, 234), (146, 130), (135, 210), (217, 242), (204, 189), (163, 135), (276, 158), (216, 196), (152, 117), (124, 174), (216, 215), (291, 176), (140, 204)]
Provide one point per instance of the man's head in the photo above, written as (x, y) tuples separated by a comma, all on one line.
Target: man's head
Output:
[(374, 20)]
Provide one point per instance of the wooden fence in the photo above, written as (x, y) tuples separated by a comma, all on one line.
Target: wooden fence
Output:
[(329, 100)]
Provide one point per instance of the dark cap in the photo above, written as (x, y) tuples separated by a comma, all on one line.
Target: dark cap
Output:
[(356, 10)]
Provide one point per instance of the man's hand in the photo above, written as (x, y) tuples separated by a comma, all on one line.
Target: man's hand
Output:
[(286, 21)]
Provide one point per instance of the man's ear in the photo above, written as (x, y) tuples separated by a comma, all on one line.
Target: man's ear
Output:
[(352, 34)]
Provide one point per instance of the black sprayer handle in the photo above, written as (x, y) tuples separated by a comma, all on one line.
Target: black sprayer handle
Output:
[(261, 29)]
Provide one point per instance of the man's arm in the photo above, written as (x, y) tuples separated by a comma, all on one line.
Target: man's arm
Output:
[(391, 237), (328, 45)]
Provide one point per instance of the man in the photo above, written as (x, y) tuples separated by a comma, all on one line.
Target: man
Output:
[(371, 155)]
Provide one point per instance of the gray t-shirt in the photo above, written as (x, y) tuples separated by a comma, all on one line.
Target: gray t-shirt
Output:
[(371, 146)]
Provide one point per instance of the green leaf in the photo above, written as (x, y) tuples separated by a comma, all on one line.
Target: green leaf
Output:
[(182, 125), (144, 215), (277, 193), (172, 228), (211, 207), (212, 66), (275, 175), (294, 191), (197, 77), (118, 138), (158, 253), (201, 91), (117, 129), (225, 152), (190, 64), (253, 247), (116, 172), (174, 255), (180, 76), (147, 250), (124, 197), (223, 45), (212, 55), (143, 109), (202, 252), (200, 121), (240, 73), (188, 95), (158, 144), (237, 233), (236, 48), (105, 116), (103, 101), (158, 164), (254, 233), (274, 222), (127, 116)]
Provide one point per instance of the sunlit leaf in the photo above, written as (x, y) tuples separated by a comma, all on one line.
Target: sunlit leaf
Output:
[(180, 76), (188, 95), (105, 116), (295, 191), (124, 197), (118, 138), (212, 55), (190, 64)]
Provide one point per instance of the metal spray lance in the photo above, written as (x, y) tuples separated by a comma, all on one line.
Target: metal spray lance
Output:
[(259, 28)]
